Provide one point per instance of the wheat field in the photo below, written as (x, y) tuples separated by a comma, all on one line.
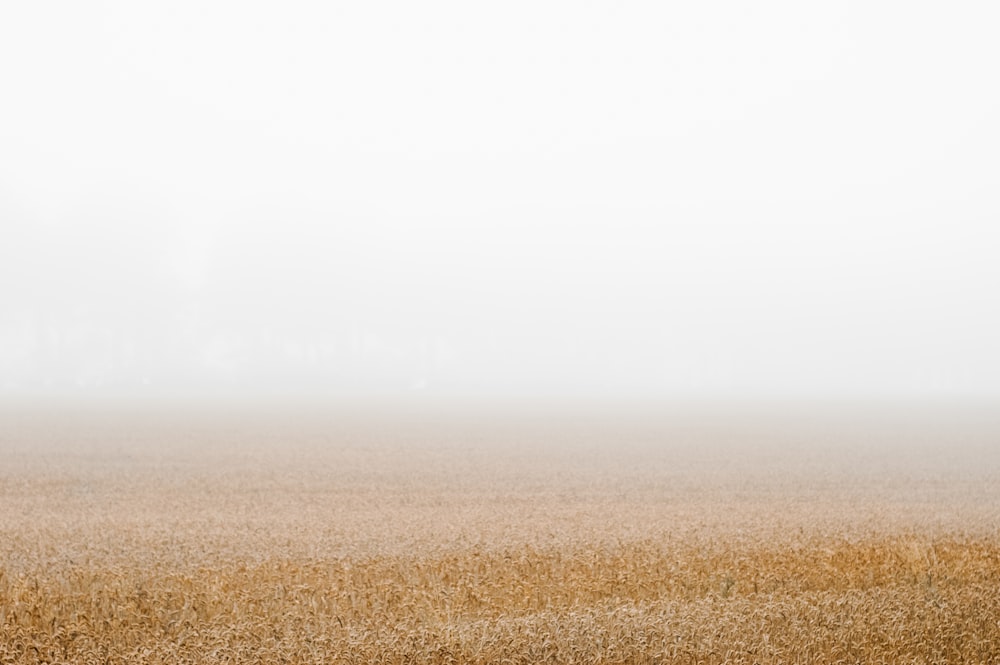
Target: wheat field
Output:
[(377, 536)]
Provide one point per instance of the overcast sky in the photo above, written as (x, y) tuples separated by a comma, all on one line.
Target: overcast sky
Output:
[(651, 199)]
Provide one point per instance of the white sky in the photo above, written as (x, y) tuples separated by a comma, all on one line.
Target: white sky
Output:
[(694, 199)]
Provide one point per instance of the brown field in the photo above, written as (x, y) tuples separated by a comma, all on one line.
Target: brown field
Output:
[(588, 537)]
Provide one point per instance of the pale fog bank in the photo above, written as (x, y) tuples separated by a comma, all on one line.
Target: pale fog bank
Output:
[(525, 201)]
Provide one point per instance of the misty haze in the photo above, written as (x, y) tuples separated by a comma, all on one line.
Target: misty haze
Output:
[(663, 202)]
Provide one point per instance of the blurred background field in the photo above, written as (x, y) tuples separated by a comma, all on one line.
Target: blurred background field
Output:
[(518, 535)]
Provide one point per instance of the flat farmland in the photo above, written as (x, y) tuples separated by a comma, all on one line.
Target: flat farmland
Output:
[(500, 536)]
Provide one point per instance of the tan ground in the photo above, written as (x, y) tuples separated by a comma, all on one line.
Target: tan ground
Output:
[(579, 537)]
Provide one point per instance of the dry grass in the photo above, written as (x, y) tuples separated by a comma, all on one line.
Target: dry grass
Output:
[(482, 540)]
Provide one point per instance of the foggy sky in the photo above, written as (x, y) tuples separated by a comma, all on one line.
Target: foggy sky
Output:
[(694, 199)]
